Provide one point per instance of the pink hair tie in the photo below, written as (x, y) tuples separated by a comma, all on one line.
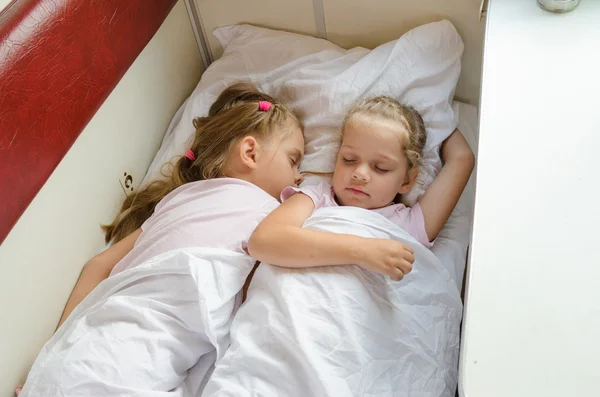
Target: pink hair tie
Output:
[(190, 155), (264, 106)]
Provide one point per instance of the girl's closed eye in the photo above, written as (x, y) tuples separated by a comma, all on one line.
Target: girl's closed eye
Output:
[(381, 169), (348, 160)]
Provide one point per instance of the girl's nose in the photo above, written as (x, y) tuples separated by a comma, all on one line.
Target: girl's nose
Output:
[(360, 173)]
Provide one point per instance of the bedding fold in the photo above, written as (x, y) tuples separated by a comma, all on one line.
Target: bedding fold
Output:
[(343, 331), (141, 330)]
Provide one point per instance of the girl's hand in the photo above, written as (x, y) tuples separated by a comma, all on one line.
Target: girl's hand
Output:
[(387, 257), (18, 389)]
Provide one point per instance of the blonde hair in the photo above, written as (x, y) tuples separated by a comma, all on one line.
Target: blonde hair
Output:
[(234, 115), (414, 133)]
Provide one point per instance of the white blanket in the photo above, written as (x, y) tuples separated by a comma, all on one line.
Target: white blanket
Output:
[(342, 331), (139, 331)]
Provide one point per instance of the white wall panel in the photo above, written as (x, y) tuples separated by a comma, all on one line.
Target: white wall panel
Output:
[(291, 15), (353, 23)]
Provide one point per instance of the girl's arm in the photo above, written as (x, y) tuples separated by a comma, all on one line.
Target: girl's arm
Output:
[(441, 197), (96, 270), (281, 240)]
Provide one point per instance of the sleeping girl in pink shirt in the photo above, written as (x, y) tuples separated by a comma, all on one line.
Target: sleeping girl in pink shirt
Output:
[(378, 161)]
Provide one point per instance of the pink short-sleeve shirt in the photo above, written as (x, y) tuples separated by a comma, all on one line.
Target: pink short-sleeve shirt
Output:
[(215, 213), (408, 218)]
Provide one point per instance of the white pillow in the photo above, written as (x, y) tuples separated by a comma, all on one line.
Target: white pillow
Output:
[(321, 81)]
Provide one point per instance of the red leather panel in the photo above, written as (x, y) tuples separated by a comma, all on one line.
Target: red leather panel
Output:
[(59, 60)]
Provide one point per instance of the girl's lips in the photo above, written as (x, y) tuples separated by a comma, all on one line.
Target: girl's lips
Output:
[(357, 190)]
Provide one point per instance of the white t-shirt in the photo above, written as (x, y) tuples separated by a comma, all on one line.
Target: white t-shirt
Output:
[(215, 213)]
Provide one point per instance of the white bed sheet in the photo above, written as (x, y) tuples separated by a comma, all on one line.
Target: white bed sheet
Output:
[(341, 331)]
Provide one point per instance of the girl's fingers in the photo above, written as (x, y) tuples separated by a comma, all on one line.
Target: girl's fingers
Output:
[(398, 275), (404, 266)]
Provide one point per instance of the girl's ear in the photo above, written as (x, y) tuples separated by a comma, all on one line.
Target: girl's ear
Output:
[(248, 152), (409, 180)]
